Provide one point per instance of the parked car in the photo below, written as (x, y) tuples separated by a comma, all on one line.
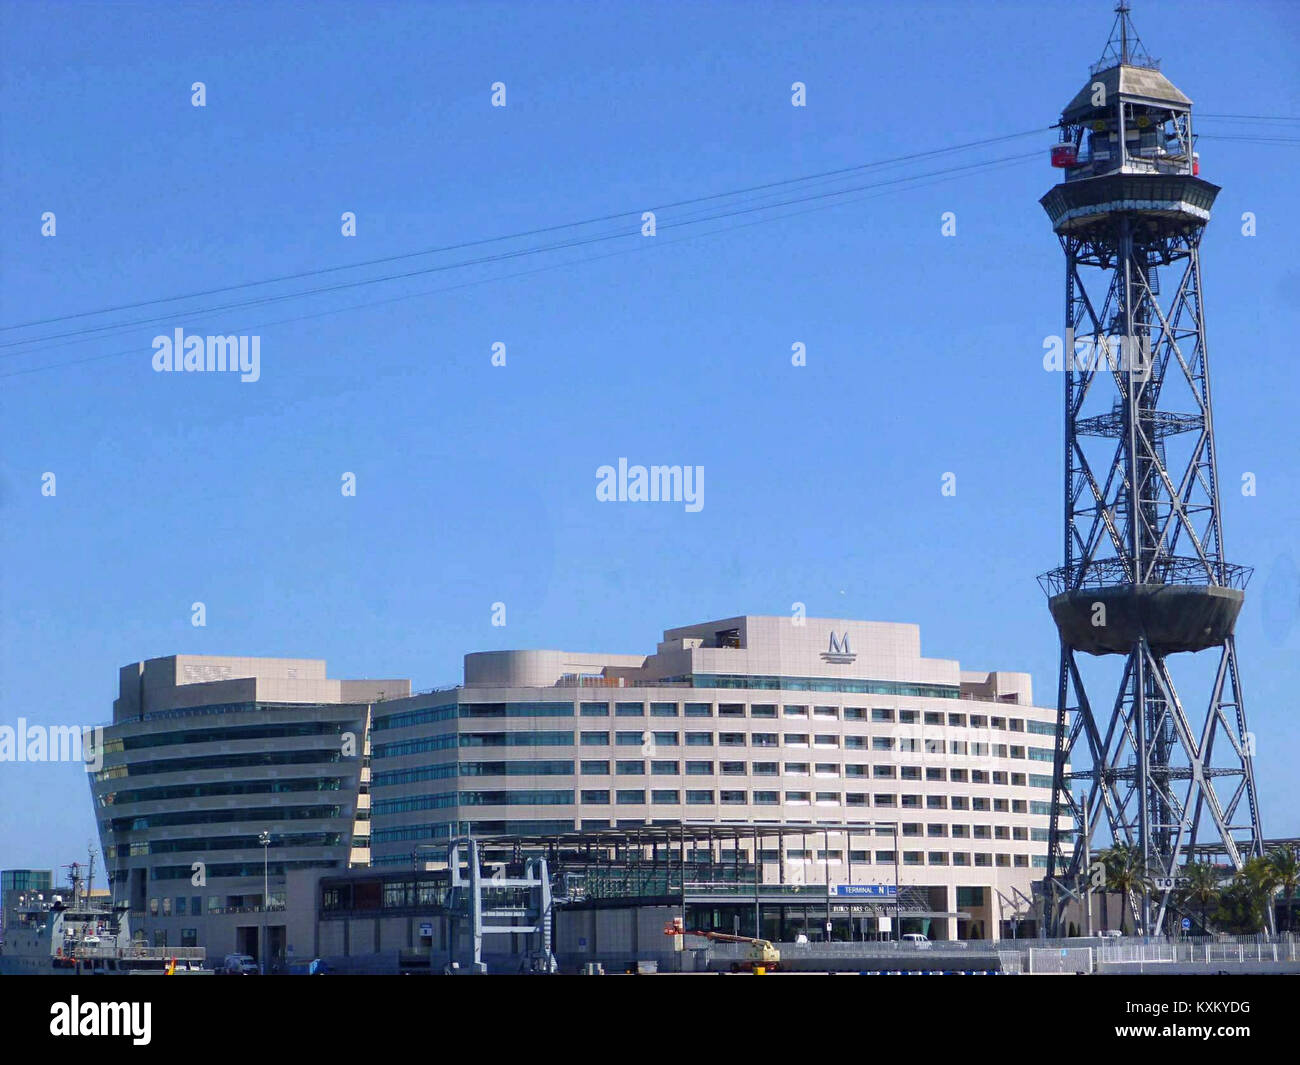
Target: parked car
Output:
[(238, 965), (917, 940), (1111, 933)]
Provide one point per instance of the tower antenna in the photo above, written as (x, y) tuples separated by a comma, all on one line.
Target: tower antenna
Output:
[(1124, 46)]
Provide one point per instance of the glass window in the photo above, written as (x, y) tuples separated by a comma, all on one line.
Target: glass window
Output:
[(595, 768), (629, 709), (631, 798), (663, 768), (595, 739), (663, 709), (630, 768), (666, 796), (699, 739), (595, 709), (699, 797), (699, 710)]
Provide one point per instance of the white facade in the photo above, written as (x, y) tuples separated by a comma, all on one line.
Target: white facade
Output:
[(746, 719)]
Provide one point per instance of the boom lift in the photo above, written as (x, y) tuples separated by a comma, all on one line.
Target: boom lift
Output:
[(763, 956)]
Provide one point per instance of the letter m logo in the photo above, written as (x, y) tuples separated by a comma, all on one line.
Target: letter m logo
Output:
[(840, 645)]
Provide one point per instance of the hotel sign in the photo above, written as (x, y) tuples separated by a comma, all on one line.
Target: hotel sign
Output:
[(839, 651)]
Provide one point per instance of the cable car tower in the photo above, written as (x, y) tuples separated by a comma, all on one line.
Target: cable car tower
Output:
[(1144, 581)]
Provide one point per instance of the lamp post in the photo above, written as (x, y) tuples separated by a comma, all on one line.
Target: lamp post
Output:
[(264, 839)]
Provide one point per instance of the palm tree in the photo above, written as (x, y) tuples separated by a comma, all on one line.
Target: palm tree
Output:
[(1244, 904), (1201, 887), (1284, 861), (1128, 875)]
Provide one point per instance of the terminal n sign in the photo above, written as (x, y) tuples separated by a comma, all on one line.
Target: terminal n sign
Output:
[(864, 891)]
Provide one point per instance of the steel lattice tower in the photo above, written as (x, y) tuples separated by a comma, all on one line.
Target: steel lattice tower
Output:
[(1144, 576)]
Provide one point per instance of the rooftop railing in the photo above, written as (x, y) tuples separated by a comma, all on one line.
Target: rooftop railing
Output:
[(1114, 572)]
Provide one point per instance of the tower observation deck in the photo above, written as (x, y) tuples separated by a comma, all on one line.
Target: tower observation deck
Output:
[(1144, 575)]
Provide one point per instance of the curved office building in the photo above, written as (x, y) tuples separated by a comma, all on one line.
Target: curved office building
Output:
[(206, 753), (747, 719)]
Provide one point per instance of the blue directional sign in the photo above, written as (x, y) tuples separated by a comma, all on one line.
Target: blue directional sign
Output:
[(1187, 924), (864, 891)]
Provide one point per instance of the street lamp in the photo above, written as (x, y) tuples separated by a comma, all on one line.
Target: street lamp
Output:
[(264, 839)]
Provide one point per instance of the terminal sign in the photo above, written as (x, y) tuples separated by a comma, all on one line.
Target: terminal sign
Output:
[(864, 891)]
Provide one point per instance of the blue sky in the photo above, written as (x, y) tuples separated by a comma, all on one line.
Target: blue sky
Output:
[(475, 484)]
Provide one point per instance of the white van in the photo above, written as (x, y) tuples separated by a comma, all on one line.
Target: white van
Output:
[(239, 965), (917, 940)]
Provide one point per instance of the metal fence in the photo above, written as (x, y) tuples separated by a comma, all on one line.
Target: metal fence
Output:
[(1059, 960), (1245, 949)]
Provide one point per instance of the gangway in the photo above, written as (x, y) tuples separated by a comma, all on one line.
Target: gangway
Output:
[(498, 905)]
